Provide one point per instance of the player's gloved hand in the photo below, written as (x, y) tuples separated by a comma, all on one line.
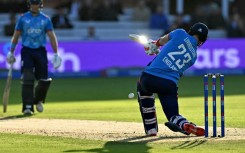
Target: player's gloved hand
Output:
[(56, 61), (10, 58), (151, 48)]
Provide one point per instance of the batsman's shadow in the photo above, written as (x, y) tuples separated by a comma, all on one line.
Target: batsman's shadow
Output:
[(147, 139), (115, 147), (16, 117), (189, 144), (139, 144)]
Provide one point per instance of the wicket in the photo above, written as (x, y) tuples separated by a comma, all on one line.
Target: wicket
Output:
[(214, 78)]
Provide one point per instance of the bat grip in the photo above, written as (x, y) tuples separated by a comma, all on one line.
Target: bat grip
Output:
[(10, 70)]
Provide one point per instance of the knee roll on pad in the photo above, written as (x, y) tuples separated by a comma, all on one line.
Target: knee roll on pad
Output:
[(41, 90)]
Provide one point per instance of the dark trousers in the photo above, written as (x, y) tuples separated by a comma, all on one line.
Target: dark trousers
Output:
[(166, 90), (35, 59)]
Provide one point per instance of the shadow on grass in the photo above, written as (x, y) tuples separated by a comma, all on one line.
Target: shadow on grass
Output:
[(118, 147), (16, 117), (189, 144), (140, 144), (148, 139)]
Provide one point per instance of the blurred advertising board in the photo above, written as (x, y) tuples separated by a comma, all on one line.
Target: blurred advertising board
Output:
[(225, 55)]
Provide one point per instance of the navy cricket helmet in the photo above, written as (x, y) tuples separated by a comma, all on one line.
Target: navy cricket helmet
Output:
[(35, 2), (201, 30)]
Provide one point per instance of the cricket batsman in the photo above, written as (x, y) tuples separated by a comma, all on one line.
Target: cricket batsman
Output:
[(32, 27), (162, 74)]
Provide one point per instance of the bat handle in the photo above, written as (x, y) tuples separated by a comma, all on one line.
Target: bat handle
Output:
[(10, 70)]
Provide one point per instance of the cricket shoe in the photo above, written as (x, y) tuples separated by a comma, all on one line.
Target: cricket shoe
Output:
[(175, 128), (152, 132), (39, 107), (27, 112), (192, 128)]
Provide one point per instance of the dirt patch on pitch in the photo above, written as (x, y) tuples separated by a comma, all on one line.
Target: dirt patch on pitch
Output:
[(101, 130)]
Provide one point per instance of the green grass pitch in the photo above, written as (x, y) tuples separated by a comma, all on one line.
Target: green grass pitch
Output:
[(106, 99)]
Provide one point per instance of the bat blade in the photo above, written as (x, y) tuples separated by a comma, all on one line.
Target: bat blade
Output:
[(7, 90), (6, 94), (139, 38)]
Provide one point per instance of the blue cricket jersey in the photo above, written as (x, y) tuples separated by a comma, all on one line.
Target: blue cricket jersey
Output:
[(33, 29), (178, 54)]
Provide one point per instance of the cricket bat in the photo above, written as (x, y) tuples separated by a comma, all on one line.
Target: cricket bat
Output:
[(145, 41), (139, 38), (7, 89)]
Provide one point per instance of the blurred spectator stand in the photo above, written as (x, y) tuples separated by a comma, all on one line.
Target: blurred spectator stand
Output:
[(86, 10), (91, 34), (141, 12), (215, 18), (152, 5), (60, 20), (114, 19), (159, 20), (10, 27), (235, 27), (105, 12), (181, 21), (74, 9), (199, 15)]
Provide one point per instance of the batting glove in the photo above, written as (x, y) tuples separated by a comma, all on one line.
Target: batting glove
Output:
[(10, 58), (151, 48), (56, 61)]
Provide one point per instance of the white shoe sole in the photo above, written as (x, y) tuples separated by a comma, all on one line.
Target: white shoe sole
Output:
[(27, 112), (152, 132)]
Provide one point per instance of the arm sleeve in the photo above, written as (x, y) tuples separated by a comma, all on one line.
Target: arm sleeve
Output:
[(172, 34), (175, 33), (49, 26), (19, 25)]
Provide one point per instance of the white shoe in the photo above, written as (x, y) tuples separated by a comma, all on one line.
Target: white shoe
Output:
[(39, 107), (27, 112), (152, 132)]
